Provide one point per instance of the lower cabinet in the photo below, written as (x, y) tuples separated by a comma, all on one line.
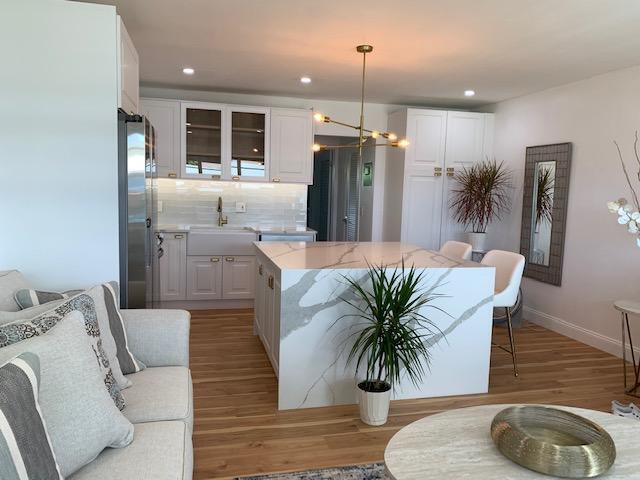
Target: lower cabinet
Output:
[(172, 263), (238, 277), (267, 311), (204, 278)]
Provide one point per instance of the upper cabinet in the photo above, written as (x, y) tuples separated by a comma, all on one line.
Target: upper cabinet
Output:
[(250, 139), (291, 141), (204, 140), (165, 117), (128, 71)]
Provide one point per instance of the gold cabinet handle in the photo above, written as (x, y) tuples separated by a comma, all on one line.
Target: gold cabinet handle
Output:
[(450, 169), (437, 174), (450, 174), (235, 178), (437, 169), (214, 259), (179, 236), (229, 259), (260, 269), (276, 179), (172, 175)]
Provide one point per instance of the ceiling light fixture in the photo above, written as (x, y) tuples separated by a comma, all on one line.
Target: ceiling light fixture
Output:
[(469, 93), (364, 134), (305, 80), (188, 71)]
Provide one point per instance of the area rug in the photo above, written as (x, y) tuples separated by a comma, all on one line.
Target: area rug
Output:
[(371, 471)]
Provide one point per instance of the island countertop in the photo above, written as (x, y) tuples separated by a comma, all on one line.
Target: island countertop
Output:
[(354, 255)]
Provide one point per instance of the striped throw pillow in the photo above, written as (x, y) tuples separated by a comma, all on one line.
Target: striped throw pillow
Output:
[(25, 446), (27, 298)]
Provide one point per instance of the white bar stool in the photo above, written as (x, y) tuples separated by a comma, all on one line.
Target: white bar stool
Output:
[(626, 307), (456, 250), (509, 267)]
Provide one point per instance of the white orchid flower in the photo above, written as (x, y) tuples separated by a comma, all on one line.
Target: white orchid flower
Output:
[(623, 218), (635, 216), (633, 227)]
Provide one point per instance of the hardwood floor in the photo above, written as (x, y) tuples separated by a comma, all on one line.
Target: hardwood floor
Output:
[(239, 431)]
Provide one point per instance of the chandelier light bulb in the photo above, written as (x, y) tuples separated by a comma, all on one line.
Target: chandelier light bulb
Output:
[(318, 117), (392, 136), (404, 143), (375, 134), (316, 146)]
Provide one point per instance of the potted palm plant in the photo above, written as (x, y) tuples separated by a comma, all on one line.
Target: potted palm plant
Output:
[(481, 195), (392, 336)]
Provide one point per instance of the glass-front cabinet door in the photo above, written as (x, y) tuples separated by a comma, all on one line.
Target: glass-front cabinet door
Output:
[(249, 143), (203, 140)]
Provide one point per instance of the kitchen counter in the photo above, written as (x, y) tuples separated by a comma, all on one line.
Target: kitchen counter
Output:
[(349, 255), (305, 323), (185, 228)]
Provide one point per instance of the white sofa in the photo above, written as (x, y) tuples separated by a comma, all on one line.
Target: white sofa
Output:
[(159, 403)]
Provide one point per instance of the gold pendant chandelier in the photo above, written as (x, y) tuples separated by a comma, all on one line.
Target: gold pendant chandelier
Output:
[(364, 134)]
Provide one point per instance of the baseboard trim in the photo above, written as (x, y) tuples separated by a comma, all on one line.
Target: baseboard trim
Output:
[(581, 334), (206, 304)]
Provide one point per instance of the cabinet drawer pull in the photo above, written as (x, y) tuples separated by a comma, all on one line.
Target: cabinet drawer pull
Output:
[(437, 169), (229, 259), (260, 269), (276, 179), (450, 169), (437, 174), (235, 178), (450, 174), (178, 236), (214, 259), (172, 175), (270, 282)]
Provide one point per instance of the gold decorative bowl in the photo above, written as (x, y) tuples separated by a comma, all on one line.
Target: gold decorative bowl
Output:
[(553, 441)]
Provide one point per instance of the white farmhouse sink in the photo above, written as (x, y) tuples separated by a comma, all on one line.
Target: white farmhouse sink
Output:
[(220, 241)]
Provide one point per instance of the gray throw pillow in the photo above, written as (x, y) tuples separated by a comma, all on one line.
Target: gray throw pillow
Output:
[(81, 417), (28, 313), (25, 447), (19, 331), (10, 282), (27, 297)]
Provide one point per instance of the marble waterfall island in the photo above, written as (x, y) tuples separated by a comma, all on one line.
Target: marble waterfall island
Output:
[(300, 292)]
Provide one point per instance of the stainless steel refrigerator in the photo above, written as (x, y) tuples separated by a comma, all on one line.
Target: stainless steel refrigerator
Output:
[(138, 214)]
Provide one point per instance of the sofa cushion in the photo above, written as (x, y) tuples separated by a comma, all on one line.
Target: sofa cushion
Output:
[(160, 393), (25, 448), (10, 282), (80, 416), (84, 303), (28, 297), (160, 451)]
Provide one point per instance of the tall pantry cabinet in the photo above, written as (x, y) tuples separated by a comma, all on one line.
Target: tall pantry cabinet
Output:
[(419, 179)]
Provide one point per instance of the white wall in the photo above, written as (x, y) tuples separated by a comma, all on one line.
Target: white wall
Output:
[(58, 142), (348, 112), (601, 262)]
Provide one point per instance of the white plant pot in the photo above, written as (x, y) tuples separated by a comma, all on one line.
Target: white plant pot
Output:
[(478, 241), (374, 406)]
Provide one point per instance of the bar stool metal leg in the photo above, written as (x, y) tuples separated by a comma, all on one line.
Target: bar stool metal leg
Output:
[(513, 345)]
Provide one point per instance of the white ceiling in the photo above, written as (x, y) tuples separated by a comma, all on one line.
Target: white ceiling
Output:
[(427, 52)]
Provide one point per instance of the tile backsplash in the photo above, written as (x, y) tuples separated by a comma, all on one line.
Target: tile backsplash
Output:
[(267, 204)]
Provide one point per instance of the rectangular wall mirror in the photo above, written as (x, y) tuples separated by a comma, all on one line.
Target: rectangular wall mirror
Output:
[(544, 209)]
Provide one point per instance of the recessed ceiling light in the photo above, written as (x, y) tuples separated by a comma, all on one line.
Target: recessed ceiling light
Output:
[(188, 71), (305, 79), (469, 93)]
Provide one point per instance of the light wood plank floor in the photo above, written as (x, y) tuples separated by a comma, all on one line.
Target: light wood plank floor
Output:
[(239, 431)]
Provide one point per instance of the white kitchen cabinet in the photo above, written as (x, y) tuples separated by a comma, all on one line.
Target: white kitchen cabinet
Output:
[(165, 117), (173, 266), (291, 141), (419, 179), (249, 141), (128, 71), (267, 310), (204, 277), (238, 277), (465, 146)]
